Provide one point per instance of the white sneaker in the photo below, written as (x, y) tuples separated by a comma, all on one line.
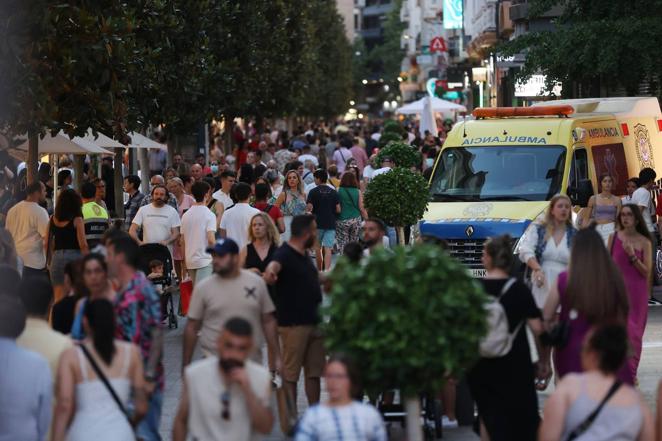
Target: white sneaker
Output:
[(448, 424)]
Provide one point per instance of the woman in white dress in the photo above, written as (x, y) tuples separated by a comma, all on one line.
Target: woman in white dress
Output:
[(545, 247), (82, 397)]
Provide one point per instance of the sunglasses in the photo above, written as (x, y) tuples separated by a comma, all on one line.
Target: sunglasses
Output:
[(225, 406)]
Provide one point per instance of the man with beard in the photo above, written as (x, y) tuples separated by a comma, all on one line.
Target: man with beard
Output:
[(159, 222), (230, 292), (225, 397), (138, 320), (374, 235), (298, 296)]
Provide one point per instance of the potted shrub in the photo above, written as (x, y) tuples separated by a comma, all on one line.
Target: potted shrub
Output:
[(402, 154), (409, 317)]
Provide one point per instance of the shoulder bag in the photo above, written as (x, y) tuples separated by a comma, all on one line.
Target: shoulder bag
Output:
[(105, 382), (586, 424)]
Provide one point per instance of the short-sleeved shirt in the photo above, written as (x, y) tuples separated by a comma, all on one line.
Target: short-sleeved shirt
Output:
[(297, 291), (349, 203), (157, 222), (341, 156), (205, 387), (217, 299), (273, 212), (138, 314), (355, 421), (324, 200), (236, 221), (132, 206), (196, 223), (642, 198), (27, 222)]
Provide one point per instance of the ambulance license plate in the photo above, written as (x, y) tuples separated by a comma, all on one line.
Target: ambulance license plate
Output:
[(478, 273)]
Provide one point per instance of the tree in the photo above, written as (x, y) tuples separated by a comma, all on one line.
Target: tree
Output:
[(65, 67), (409, 318), (398, 197), (386, 58), (595, 45)]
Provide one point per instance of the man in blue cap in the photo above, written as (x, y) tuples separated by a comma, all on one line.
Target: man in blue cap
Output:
[(230, 292)]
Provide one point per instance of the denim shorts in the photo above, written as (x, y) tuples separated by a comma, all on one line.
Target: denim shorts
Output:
[(59, 261), (326, 238)]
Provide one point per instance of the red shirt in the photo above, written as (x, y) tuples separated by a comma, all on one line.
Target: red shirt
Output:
[(274, 212)]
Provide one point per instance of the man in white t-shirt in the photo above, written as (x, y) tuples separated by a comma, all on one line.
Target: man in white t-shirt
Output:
[(235, 221), (160, 222), (222, 196), (642, 196), (198, 233), (226, 397), (342, 155), (307, 156), (387, 164), (27, 222)]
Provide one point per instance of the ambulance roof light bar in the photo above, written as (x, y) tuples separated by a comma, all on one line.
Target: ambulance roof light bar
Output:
[(509, 112)]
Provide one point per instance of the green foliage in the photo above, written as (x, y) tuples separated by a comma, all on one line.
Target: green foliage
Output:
[(388, 137), (399, 197), (595, 44), (400, 152), (408, 317), (392, 126)]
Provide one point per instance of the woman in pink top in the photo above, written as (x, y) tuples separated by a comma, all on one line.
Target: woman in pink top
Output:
[(184, 202), (631, 249)]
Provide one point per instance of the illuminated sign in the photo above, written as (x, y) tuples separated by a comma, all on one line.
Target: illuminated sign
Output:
[(504, 139), (453, 14)]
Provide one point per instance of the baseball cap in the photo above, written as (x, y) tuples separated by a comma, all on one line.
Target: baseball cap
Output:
[(223, 247)]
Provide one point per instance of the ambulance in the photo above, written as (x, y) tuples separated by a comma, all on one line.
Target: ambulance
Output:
[(496, 174)]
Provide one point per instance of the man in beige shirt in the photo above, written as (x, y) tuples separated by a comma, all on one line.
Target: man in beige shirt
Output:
[(37, 294), (230, 292)]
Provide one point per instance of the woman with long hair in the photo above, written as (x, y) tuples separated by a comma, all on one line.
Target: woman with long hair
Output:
[(184, 202), (343, 416), (603, 209), (292, 200), (66, 229), (64, 311), (591, 292), (545, 247), (263, 241), (86, 409), (348, 225), (97, 286), (504, 387), (625, 416), (631, 249)]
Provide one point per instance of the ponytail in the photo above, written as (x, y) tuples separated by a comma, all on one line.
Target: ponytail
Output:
[(101, 318)]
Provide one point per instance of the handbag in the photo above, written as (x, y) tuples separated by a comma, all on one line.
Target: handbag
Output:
[(105, 382), (586, 424)]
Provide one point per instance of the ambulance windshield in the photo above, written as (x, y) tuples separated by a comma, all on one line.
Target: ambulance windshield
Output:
[(499, 173)]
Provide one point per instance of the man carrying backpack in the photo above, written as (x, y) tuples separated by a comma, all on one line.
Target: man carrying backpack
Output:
[(261, 196)]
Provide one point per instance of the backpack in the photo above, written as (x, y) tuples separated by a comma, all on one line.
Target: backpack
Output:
[(498, 341)]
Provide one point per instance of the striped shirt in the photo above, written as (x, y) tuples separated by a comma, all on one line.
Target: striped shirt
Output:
[(353, 422)]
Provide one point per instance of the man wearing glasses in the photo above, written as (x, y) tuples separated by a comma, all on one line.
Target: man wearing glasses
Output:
[(225, 397)]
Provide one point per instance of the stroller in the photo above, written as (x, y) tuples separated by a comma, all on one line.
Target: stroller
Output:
[(156, 251)]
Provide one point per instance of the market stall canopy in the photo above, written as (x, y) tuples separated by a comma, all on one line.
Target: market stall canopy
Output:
[(62, 144), (139, 141), (102, 140), (437, 104), (428, 121)]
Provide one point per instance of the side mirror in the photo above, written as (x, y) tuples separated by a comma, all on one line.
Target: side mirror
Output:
[(582, 193)]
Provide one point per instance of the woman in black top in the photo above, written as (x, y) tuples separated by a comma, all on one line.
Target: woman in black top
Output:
[(264, 240), (66, 231), (504, 387), (62, 315)]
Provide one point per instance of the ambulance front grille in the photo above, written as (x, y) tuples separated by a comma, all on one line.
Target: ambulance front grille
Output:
[(467, 251)]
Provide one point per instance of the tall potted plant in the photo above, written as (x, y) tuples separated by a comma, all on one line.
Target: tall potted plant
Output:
[(409, 318)]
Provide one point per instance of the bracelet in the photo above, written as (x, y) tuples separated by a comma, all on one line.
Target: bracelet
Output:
[(633, 259)]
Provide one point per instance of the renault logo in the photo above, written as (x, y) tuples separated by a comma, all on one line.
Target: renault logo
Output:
[(469, 231)]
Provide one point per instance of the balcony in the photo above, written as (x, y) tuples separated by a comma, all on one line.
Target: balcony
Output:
[(377, 10), (519, 11)]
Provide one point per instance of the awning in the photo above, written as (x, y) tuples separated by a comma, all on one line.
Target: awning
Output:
[(437, 104)]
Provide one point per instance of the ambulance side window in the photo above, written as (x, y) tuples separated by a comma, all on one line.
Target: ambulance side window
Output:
[(580, 188)]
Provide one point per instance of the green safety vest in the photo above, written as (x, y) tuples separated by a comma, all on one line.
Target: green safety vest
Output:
[(96, 221)]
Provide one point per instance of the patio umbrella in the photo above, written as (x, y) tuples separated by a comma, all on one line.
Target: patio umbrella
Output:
[(139, 141), (62, 144), (437, 104), (428, 121)]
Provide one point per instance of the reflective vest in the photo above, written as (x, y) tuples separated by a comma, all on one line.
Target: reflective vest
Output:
[(96, 221)]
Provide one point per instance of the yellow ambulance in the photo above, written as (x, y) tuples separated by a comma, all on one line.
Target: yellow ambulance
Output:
[(496, 174)]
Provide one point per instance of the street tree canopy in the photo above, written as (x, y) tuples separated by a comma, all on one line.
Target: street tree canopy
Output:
[(595, 44)]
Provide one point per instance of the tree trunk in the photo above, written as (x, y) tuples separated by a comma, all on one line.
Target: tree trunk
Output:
[(33, 157), (228, 133), (143, 165), (413, 419), (79, 161), (401, 235), (117, 183)]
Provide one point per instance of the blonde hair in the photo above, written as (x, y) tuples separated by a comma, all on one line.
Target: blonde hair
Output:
[(272, 232), (548, 222), (300, 182)]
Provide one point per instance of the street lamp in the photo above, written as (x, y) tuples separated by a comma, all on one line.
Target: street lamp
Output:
[(351, 102), (365, 81)]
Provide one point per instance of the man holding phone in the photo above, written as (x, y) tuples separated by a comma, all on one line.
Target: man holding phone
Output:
[(226, 397)]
